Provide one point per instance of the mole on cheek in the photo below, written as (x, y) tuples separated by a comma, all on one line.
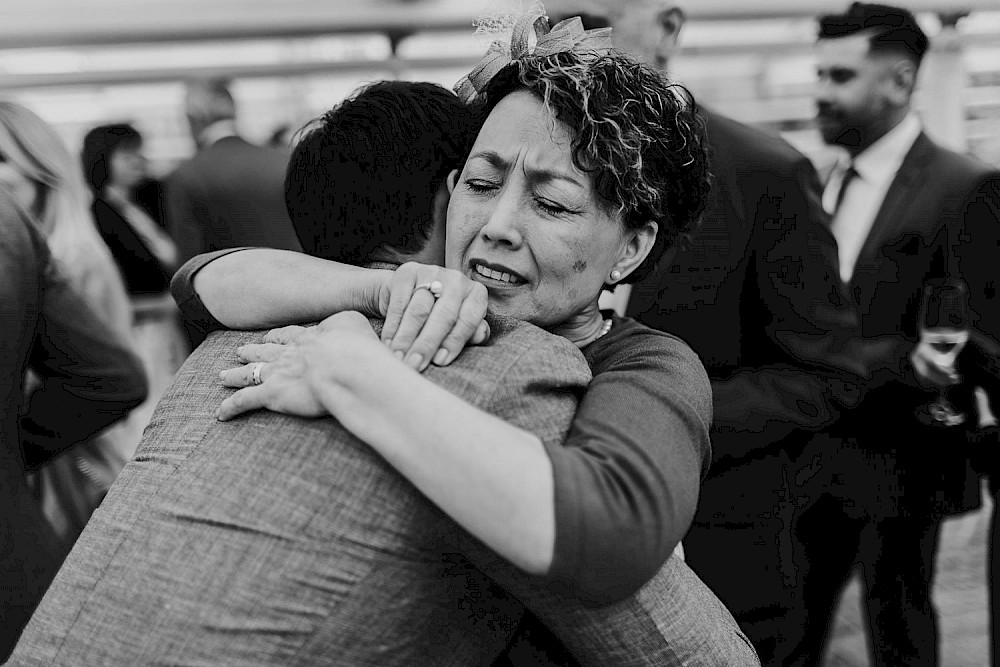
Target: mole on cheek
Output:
[(580, 265)]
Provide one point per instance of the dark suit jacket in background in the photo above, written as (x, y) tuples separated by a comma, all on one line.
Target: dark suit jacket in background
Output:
[(89, 379), (229, 194)]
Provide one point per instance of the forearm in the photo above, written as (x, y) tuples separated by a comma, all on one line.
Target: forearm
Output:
[(263, 287), (493, 479)]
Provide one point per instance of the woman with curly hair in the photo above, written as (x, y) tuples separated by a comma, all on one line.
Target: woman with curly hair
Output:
[(587, 168)]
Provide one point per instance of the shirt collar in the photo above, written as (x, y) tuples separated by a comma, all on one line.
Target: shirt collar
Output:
[(880, 161)]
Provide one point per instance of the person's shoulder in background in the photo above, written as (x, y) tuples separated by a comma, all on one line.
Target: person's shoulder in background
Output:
[(748, 148)]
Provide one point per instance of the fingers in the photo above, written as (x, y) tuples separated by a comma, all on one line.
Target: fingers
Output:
[(259, 352), (244, 400), (422, 329), (401, 285), (926, 364), (482, 334), (468, 327), (241, 376), (285, 335)]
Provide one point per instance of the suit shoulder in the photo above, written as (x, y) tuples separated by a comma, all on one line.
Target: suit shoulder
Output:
[(531, 348), (961, 167), (745, 144)]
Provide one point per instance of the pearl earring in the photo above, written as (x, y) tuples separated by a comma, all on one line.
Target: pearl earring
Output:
[(616, 275)]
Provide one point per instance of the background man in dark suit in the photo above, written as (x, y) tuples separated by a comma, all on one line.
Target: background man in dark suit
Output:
[(230, 193), (733, 295), (89, 379), (905, 211), (271, 538)]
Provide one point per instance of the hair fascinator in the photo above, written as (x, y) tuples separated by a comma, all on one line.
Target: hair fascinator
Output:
[(530, 35)]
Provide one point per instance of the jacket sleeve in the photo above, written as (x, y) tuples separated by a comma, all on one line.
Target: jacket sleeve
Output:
[(89, 376)]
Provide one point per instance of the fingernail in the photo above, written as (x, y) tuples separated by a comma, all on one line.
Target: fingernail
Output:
[(414, 361), (218, 414), (441, 357), (399, 354), (222, 375)]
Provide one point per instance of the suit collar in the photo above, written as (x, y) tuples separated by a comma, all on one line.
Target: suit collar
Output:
[(891, 216)]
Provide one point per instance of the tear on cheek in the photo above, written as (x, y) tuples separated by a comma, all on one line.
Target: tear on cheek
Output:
[(580, 265)]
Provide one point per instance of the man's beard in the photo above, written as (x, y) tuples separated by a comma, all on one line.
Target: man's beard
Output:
[(848, 137)]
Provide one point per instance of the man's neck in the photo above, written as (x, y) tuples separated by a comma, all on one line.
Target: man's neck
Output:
[(876, 133)]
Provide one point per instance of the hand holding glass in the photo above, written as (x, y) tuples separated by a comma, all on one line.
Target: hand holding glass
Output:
[(944, 329)]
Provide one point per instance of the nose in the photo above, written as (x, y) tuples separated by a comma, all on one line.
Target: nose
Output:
[(503, 227)]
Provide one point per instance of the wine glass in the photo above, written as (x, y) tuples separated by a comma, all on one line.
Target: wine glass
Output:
[(944, 327)]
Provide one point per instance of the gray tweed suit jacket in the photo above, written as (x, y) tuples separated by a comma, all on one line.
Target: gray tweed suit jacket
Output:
[(277, 540)]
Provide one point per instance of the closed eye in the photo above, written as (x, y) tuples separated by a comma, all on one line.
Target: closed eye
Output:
[(552, 208), (481, 186)]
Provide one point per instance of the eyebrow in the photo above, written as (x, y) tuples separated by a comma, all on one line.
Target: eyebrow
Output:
[(534, 175)]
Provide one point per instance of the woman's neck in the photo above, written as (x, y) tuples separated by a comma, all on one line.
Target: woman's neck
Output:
[(582, 329)]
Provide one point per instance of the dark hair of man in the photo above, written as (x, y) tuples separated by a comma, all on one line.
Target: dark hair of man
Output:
[(894, 30), (363, 177), (98, 146)]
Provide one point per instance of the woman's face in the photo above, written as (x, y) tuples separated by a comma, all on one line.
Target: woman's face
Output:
[(527, 223), (128, 166)]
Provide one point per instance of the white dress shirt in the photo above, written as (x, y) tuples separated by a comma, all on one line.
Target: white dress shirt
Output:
[(876, 167)]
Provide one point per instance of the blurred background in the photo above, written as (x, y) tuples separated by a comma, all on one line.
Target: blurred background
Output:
[(79, 64)]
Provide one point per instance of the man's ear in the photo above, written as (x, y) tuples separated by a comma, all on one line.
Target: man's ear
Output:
[(451, 181), (903, 76), (672, 20), (637, 245)]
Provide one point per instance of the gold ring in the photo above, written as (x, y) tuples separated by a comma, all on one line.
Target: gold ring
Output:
[(255, 378)]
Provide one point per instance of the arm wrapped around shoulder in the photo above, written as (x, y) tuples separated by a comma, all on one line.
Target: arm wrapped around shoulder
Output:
[(628, 476)]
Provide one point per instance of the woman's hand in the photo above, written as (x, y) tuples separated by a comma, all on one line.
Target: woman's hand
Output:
[(275, 343), (431, 314), (286, 368)]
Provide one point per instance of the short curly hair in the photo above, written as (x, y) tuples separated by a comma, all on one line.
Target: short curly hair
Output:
[(636, 133)]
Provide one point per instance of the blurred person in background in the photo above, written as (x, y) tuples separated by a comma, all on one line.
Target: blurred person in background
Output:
[(127, 209), (86, 375), (905, 211), (230, 193), (73, 483)]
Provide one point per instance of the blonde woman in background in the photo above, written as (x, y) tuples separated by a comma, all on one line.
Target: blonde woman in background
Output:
[(34, 159)]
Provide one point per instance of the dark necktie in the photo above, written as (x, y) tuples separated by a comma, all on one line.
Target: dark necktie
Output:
[(849, 176)]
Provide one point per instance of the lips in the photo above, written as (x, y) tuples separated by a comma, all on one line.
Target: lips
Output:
[(496, 273)]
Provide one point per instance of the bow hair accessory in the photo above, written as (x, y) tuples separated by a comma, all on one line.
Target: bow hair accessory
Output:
[(565, 36)]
